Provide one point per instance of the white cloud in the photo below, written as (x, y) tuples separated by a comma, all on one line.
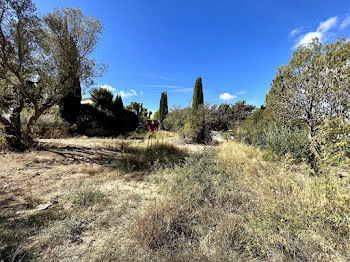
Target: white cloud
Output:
[(141, 93), (227, 96), (320, 33), (108, 87), (307, 38), (132, 92), (345, 22), (295, 32), (241, 93), (328, 24)]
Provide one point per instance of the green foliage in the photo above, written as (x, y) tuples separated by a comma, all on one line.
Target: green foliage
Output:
[(194, 125), (197, 125), (141, 112), (229, 116), (163, 108), (331, 143), (94, 122), (129, 121), (199, 180), (158, 155), (198, 98), (312, 86), (51, 124), (118, 106), (55, 49), (176, 119), (102, 98), (135, 107), (156, 115), (262, 130), (70, 108)]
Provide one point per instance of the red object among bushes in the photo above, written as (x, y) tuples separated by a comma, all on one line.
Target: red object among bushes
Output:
[(152, 125)]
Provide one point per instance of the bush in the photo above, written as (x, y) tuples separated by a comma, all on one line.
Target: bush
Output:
[(52, 125), (194, 125), (198, 179), (95, 122), (160, 228), (87, 196), (331, 144), (102, 98), (158, 155), (261, 130)]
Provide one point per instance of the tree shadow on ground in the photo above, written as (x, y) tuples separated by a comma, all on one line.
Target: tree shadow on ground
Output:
[(126, 158), (14, 232)]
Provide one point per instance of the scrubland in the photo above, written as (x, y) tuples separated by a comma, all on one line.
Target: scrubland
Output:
[(155, 199)]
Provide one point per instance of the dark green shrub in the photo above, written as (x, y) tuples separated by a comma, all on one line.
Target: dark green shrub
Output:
[(102, 98), (194, 125), (129, 121), (70, 105)]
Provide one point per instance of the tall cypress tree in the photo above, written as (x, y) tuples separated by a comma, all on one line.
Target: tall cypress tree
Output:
[(70, 104), (118, 106), (198, 98), (163, 108)]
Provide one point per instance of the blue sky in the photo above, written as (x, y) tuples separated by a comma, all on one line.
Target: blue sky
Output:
[(235, 46)]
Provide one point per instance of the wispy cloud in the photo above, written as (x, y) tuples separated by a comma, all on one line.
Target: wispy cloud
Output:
[(125, 94), (108, 87), (162, 86), (241, 93), (295, 31), (155, 76), (328, 24), (227, 96), (141, 93), (181, 90), (345, 22), (321, 32)]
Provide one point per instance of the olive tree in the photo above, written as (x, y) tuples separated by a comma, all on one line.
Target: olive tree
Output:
[(315, 84), (40, 58)]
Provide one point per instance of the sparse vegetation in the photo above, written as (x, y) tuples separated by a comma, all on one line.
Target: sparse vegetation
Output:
[(239, 207), (229, 182)]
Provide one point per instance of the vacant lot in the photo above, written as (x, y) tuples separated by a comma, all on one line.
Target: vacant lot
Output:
[(63, 200), (154, 199)]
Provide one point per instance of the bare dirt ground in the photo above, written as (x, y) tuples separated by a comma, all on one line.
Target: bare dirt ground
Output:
[(38, 190)]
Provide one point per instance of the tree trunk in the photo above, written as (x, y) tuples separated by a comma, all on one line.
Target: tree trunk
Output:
[(16, 139), (315, 148)]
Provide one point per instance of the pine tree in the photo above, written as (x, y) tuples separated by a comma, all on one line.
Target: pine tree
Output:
[(163, 108), (198, 98)]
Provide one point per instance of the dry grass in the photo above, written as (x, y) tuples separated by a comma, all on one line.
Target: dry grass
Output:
[(74, 200), (235, 206), (61, 202)]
